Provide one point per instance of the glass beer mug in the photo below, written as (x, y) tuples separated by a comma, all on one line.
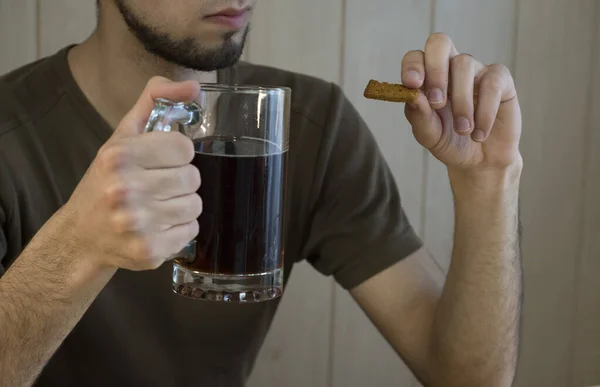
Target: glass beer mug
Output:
[(240, 135)]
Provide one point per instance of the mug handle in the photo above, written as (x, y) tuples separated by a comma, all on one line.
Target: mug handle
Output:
[(164, 114)]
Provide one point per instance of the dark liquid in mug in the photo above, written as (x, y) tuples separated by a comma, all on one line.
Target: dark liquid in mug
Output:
[(241, 226)]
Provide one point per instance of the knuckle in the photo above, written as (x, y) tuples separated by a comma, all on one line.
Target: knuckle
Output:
[(485, 120), (194, 178), (173, 211), (157, 80), (413, 57), (438, 38), (500, 69), (175, 180), (115, 194), (112, 158), (437, 77), (492, 84), (183, 145), (180, 211), (123, 221), (415, 53), (193, 228), (462, 108), (141, 250), (462, 61), (143, 254), (196, 205)]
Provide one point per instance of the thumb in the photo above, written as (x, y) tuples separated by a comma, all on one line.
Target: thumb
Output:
[(135, 120)]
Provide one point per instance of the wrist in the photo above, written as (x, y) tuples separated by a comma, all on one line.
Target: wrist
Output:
[(79, 262), (485, 181)]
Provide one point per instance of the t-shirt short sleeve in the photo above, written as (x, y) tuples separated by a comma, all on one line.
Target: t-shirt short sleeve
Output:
[(3, 240), (3, 248), (7, 203), (358, 226)]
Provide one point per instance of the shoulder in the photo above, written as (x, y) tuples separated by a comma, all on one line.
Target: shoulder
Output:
[(26, 93)]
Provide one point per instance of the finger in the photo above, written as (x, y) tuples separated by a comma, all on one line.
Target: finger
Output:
[(494, 85), (167, 183), (176, 211), (425, 122), (413, 69), (463, 69), (158, 87), (152, 250), (439, 49), (176, 238), (155, 150)]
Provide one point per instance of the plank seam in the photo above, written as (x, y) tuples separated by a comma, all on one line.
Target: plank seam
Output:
[(38, 29), (330, 374), (513, 64), (579, 259), (425, 176)]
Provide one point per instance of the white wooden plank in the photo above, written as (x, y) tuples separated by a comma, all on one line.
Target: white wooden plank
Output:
[(297, 348), (17, 32), (64, 22), (494, 22), (302, 36), (585, 361), (377, 35), (553, 65)]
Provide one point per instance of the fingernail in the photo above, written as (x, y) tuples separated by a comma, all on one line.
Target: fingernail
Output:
[(462, 124), (435, 96), (478, 135), (414, 75), (413, 106)]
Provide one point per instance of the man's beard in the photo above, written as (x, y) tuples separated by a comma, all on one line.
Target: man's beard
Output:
[(186, 52)]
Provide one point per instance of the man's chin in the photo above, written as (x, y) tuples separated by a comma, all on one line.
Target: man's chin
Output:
[(191, 52), (210, 60), (195, 55)]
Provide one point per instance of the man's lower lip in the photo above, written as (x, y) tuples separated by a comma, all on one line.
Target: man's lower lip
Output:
[(234, 22)]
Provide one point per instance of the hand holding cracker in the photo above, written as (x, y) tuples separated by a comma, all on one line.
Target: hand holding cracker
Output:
[(479, 126)]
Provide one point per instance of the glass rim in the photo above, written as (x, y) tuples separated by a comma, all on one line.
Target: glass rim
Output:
[(250, 89)]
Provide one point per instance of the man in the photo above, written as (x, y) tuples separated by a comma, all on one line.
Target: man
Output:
[(72, 156)]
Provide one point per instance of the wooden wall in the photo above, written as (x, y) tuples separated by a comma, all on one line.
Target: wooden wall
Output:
[(319, 337)]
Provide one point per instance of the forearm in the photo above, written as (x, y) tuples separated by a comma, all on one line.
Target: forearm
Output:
[(476, 326), (42, 296)]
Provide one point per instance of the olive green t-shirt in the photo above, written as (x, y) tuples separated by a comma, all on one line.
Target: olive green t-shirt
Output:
[(344, 216)]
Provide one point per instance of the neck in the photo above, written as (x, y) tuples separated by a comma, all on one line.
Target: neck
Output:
[(112, 68)]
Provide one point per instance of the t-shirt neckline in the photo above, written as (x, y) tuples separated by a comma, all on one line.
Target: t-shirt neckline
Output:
[(71, 88)]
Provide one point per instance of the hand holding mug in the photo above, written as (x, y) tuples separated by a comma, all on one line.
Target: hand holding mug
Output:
[(137, 204)]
